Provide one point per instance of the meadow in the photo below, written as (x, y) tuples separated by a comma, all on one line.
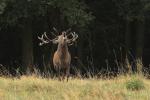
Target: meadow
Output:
[(38, 88)]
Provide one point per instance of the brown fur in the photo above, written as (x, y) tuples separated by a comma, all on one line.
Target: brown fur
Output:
[(62, 59)]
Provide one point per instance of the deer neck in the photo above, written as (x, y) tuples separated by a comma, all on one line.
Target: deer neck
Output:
[(62, 49)]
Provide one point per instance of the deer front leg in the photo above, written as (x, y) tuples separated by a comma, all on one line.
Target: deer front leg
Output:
[(58, 73), (68, 73), (63, 73)]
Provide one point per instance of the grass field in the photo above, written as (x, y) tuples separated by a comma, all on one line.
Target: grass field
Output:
[(36, 88)]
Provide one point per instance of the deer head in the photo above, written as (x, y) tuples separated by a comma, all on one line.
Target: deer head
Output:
[(61, 39)]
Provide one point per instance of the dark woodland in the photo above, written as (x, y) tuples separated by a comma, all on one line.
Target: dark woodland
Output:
[(110, 33)]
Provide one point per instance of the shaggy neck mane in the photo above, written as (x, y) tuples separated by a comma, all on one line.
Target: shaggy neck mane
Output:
[(62, 49)]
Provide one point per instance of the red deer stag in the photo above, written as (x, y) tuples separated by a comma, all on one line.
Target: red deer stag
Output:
[(62, 57)]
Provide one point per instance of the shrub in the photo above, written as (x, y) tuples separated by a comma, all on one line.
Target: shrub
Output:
[(135, 84)]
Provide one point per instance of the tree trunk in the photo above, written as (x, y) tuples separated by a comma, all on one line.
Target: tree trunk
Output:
[(27, 47), (140, 32), (140, 39), (127, 35)]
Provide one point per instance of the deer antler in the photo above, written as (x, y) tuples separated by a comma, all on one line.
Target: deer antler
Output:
[(53, 34), (75, 36), (45, 40), (67, 31), (73, 39)]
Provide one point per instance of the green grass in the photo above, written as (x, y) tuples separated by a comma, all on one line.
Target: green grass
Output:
[(134, 84), (33, 88)]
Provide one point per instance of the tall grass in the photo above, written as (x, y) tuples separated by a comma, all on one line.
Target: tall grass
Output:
[(130, 86), (38, 88)]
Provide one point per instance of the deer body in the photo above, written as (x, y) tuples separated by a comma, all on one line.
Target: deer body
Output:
[(61, 60), (62, 57)]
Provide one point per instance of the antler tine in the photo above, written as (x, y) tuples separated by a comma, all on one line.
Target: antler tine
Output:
[(53, 34), (68, 30), (42, 40), (55, 30), (46, 36), (73, 39), (74, 36)]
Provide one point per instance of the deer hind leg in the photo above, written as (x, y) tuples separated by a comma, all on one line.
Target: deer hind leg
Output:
[(67, 73)]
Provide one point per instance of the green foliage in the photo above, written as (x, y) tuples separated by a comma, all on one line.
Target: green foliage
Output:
[(75, 13), (131, 9), (2, 6), (72, 11), (146, 5), (134, 84), (16, 10)]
